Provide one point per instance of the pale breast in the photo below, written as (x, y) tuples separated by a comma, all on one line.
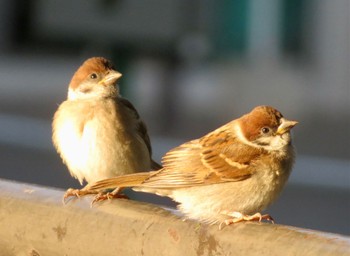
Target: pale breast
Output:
[(205, 203), (95, 143)]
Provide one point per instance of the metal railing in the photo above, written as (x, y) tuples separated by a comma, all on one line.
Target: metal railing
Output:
[(33, 221)]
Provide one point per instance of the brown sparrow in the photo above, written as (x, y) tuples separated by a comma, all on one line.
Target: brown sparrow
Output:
[(98, 133), (227, 176)]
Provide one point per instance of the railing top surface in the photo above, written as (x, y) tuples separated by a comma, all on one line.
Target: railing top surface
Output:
[(34, 220)]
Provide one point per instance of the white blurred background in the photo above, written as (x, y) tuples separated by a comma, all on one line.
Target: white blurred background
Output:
[(188, 66)]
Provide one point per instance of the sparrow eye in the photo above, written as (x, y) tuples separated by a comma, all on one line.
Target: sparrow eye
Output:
[(93, 76), (265, 130)]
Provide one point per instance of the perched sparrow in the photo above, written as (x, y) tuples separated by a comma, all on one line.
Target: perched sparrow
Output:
[(98, 133), (227, 176)]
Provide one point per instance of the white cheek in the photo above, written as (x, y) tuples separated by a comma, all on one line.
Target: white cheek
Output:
[(92, 91), (76, 94)]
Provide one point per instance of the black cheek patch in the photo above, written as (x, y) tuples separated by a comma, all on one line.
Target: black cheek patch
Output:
[(85, 90), (260, 143)]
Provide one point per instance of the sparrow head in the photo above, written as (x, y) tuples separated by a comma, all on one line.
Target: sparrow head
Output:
[(266, 127), (96, 78)]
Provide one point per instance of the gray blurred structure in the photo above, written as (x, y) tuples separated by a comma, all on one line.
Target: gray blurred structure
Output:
[(189, 67)]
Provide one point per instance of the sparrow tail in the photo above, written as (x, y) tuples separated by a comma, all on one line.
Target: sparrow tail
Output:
[(130, 180)]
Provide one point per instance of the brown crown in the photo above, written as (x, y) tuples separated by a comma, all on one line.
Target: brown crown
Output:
[(92, 65), (258, 118)]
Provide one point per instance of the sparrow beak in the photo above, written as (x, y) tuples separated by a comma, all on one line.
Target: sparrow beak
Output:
[(285, 126), (110, 78)]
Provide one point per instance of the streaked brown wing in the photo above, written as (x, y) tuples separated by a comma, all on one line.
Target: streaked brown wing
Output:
[(214, 158)]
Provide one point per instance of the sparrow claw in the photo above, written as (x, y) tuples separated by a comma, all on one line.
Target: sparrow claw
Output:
[(102, 196), (239, 217), (268, 217), (71, 192)]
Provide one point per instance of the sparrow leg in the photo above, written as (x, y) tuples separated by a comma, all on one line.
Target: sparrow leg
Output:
[(239, 217), (77, 193), (102, 196)]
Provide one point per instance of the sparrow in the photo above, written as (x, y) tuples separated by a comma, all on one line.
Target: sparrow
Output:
[(227, 176), (98, 133)]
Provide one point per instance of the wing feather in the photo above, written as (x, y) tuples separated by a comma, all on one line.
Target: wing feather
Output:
[(141, 130), (215, 158)]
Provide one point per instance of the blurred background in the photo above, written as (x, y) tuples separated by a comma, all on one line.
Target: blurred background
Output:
[(188, 66)]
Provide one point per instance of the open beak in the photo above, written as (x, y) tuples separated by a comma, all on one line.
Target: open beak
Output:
[(285, 126), (110, 79)]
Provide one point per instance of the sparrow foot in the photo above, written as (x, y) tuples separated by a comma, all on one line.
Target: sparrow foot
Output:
[(71, 192), (102, 196), (239, 217)]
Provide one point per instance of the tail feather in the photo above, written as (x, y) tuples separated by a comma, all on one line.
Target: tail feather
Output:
[(130, 180)]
